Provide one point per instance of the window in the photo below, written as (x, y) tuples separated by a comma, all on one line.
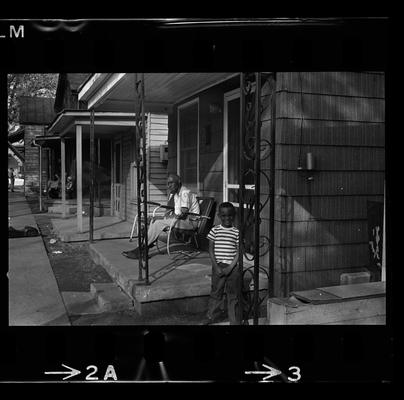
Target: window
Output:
[(188, 144)]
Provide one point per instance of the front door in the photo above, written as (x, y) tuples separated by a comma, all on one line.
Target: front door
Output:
[(117, 182), (231, 156), (232, 149)]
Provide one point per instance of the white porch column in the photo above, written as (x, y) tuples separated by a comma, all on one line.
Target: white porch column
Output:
[(63, 175), (79, 178)]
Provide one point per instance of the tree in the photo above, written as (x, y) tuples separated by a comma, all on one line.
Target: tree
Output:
[(39, 85)]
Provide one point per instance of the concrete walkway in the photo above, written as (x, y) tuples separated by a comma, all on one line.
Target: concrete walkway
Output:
[(34, 297), (105, 227)]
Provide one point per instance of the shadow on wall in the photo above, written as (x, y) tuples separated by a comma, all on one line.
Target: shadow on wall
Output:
[(324, 222)]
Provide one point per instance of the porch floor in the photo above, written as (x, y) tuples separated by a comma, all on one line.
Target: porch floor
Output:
[(105, 227), (172, 277)]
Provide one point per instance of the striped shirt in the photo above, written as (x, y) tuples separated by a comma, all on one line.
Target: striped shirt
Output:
[(225, 243)]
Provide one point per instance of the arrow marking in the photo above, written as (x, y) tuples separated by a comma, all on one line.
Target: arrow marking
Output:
[(71, 373), (270, 373)]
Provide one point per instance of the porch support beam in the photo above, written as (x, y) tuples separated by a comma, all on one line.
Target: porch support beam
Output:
[(79, 179), (92, 177), (98, 96), (63, 175)]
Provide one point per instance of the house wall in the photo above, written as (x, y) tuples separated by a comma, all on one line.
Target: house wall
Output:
[(322, 224), (157, 134), (31, 164)]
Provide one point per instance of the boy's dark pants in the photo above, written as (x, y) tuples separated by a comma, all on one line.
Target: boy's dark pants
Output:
[(220, 285)]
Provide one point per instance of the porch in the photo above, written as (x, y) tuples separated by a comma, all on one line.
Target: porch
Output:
[(180, 281)]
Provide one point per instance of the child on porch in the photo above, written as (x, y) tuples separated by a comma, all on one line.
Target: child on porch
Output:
[(223, 251)]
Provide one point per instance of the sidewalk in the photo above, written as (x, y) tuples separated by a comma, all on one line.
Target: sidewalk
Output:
[(34, 297)]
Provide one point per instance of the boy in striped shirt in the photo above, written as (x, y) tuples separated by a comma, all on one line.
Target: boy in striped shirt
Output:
[(223, 251)]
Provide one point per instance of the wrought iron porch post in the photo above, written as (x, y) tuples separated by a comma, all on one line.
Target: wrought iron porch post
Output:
[(145, 184), (241, 199), (253, 150), (141, 173), (257, 188), (271, 283)]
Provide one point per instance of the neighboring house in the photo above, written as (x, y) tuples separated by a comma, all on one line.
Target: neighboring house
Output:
[(321, 225), (114, 148), (16, 151), (34, 114)]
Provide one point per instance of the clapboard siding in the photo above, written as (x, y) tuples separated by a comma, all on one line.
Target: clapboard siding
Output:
[(158, 135)]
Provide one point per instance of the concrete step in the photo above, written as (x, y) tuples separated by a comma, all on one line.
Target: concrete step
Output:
[(110, 297), (80, 303), (59, 209)]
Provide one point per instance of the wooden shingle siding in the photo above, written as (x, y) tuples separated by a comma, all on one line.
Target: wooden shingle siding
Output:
[(332, 158), (306, 258), (330, 133), (325, 107), (306, 280), (318, 233), (321, 226), (304, 208), (327, 183), (357, 84)]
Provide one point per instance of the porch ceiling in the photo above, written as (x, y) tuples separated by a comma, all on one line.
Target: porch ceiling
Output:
[(162, 90), (106, 124)]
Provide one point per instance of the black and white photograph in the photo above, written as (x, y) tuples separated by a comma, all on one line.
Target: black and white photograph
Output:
[(198, 200)]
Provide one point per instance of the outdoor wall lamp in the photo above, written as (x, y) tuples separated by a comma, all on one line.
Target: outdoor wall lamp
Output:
[(308, 170)]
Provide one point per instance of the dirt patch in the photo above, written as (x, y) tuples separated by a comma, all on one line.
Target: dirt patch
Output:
[(71, 262)]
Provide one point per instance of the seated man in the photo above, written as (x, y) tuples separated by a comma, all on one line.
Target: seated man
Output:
[(184, 201), (54, 187)]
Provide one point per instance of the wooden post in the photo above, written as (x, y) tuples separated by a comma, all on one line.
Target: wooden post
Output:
[(91, 231), (79, 180), (99, 171), (63, 175)]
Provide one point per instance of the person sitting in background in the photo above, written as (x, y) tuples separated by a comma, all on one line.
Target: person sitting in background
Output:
[(69, 187), (54, 187)]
